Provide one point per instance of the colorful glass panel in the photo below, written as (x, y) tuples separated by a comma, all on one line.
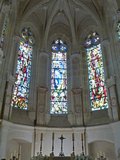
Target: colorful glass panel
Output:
[(23, 72), (98, 92), (59, 78), (118, 30)]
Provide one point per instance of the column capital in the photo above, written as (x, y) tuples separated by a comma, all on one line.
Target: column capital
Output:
[(110, 81)]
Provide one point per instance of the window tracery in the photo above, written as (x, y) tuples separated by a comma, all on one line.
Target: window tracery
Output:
[(97, 88), (59, 78), (23, 70)]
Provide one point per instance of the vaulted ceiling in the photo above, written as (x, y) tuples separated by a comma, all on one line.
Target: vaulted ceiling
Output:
[(61, 16)]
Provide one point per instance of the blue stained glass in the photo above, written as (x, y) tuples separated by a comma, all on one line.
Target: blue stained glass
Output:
[(23, 71), (98, 92), (59, 78)]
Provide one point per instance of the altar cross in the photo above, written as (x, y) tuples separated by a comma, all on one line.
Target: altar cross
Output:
[(61, 153)]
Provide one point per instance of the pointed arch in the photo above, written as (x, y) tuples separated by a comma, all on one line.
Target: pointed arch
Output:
[(97, 88), (59, 78), (23, 70)]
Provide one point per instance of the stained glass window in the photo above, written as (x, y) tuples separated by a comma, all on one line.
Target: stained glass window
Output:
[(118, 30), (59, 78), (97, 88), (23, 71)]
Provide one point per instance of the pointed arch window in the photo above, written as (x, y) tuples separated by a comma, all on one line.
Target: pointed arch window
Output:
[(97, 88), (59, 78), (23, 70), (118, 30)]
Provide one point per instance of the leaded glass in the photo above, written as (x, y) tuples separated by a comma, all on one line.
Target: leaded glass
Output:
[(98, 92), (118, 30), (23, 71), (59, 78)]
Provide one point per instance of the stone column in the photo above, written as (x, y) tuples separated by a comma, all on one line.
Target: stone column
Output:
[(8, 96), (78, 112), (75, 70), (74, 82), (107, 58), (4, 18), (41, 105), (44, 80), (4, 127), (113, 110)]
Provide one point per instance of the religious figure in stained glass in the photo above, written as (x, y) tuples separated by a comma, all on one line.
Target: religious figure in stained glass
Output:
[(118, 30), (97, 88), (23, 71), (59, 78)]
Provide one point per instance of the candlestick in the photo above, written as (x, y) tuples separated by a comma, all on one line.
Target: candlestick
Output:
[(52, 143), (73, 143), (81, 136), (53, 136), (72, 136), (41, 136)]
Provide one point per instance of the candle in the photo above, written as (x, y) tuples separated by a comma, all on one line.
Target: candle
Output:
[(73, 136), (41, 136), (81, 136)]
